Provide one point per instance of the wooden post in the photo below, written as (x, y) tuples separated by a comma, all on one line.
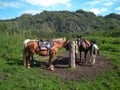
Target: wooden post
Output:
[(72, 54)]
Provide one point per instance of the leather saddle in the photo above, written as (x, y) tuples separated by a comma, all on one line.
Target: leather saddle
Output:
[(84, 43), (45, 44)]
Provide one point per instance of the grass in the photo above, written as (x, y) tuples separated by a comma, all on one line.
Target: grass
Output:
[(14, 76)]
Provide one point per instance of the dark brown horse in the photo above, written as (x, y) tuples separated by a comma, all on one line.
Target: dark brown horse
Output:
[(85, 46), (31, 47)]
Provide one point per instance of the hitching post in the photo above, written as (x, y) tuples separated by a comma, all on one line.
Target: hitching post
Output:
[(72, 54)]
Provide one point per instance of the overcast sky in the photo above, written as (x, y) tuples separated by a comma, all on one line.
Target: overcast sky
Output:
[(15, 8)]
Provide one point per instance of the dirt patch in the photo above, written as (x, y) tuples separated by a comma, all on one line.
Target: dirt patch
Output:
[(63, 70)]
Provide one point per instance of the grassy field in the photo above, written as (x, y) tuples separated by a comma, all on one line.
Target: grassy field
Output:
[(14, 76)]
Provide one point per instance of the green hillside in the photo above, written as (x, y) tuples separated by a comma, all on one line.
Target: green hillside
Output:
[(64, 21)]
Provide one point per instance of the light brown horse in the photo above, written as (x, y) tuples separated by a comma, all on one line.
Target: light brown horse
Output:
[(31, 47)]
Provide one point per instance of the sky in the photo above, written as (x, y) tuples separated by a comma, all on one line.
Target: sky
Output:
[(14, 8)]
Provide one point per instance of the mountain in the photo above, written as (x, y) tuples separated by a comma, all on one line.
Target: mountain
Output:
[(63, 21)]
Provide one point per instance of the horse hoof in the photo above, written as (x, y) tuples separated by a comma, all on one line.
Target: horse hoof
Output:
[(28, 67), (52, 69)]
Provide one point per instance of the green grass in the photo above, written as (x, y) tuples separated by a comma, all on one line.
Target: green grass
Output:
[(14, 76)]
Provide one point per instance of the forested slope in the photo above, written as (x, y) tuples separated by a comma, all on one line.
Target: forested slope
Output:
[(64, 21)]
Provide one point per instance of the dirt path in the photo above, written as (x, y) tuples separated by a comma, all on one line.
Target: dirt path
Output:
[(81, 71)]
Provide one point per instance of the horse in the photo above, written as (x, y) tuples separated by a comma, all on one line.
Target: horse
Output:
[(32, 47), (93, 52), (85, 46)]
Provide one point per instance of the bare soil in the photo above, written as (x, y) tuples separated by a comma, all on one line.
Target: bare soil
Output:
[(82, 70)]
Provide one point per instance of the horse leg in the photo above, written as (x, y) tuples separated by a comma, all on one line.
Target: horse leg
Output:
[(51, 56), (85, 57), (32, 59), (24, 61), (80, 56), (28, 61), (90, 55), (93, 57), (51, 65)]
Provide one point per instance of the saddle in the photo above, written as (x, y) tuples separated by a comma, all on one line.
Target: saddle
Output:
[(45, 45), (85, 43)]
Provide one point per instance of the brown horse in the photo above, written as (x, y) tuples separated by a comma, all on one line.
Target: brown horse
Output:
[(85, 46), (31, 47)]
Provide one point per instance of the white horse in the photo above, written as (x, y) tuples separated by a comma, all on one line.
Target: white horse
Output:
[(94, 52)]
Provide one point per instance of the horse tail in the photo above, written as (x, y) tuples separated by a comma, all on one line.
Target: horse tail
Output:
[(24, 50)]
